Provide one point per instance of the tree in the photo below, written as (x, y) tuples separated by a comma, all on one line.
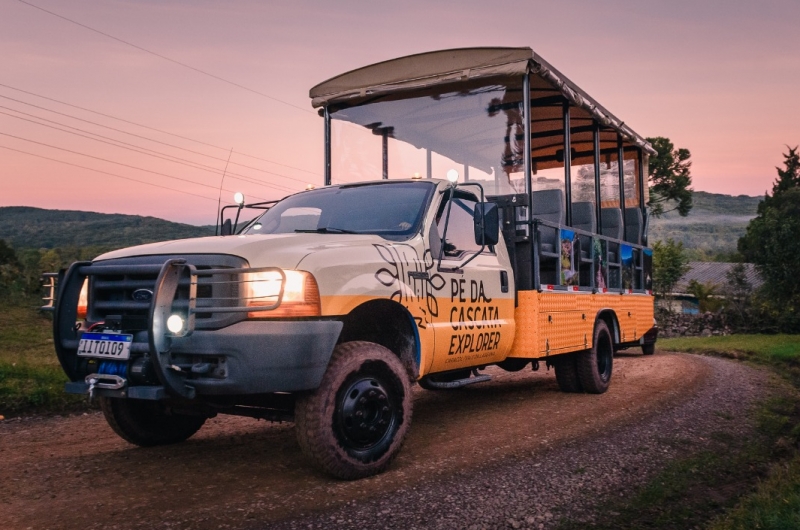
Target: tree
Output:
[(9, 268), (772, 243), (669, 264), (707, 296), (790, 176), (670, 178)]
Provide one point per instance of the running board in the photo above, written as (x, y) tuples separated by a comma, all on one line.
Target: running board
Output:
[(458, 383)]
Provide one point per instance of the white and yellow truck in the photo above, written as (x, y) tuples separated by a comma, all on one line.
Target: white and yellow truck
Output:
[(440, 244)]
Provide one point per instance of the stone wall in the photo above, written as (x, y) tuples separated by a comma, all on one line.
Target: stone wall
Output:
[(682, 325)]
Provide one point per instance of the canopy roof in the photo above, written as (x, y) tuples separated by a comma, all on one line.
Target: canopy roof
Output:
[(425, 70)]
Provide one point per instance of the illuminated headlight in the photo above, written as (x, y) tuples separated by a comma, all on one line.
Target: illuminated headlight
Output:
[(175, 324), (300, 294)]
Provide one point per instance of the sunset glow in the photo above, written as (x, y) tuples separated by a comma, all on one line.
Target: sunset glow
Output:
[(141, 107)]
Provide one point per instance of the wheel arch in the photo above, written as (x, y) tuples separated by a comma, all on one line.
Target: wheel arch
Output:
[(609, 316), (389, 324)]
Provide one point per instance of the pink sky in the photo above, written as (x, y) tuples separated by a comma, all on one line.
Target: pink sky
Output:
[(720, 78)]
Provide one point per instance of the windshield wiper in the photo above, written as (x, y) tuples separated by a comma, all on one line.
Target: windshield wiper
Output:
[(326, 230)]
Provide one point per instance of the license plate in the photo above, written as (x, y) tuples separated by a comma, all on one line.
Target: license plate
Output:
[(105, 345)]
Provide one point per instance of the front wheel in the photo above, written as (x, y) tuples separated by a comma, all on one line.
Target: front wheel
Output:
[(595, 365), (649, 349), (148, 423), (354, 424)]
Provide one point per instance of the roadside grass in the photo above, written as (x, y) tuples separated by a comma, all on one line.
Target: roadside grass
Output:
[(737, 484), (779, 350), (695, 491), (31, 379)]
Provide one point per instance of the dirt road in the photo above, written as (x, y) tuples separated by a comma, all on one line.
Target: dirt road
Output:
[(73, 472)]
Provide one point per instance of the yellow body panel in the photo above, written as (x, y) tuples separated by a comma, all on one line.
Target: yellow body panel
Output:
[(473, 333), (550, 323)]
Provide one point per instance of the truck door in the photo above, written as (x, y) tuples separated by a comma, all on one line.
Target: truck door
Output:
[(475, 324)]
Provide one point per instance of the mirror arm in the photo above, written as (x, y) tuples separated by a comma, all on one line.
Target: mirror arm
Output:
[(458, 268)]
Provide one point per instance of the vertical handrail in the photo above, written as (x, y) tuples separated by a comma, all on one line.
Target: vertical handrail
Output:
[(528, 150)]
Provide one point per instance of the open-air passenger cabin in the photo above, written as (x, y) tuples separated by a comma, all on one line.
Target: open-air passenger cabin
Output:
[(557, 163)]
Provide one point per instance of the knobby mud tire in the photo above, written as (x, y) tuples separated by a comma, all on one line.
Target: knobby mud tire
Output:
[(146, 423), (567, 373), (324, 418), (596, 365)]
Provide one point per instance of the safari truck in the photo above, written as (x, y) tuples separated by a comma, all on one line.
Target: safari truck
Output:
[(478, 209)]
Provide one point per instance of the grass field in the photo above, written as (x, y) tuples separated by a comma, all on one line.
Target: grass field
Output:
[(778, 349), (743, 484), (775, 503), (31, 379)]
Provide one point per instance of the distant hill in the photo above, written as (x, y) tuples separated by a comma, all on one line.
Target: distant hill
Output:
[(714, 225), (27, 227)]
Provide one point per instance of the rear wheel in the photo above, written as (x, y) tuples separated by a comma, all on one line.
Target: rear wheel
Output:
[(567, 373), (649, 349), (354, 424), (148, 423), (595, 365)]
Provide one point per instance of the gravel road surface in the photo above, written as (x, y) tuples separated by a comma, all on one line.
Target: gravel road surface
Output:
[(512, 453)]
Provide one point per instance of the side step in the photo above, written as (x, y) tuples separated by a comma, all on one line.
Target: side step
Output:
[(458, 383)]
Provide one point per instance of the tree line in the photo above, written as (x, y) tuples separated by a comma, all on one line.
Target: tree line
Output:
[(21, 269), (771, 243)]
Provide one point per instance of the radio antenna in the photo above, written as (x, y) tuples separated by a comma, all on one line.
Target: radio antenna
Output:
[(219, 197)]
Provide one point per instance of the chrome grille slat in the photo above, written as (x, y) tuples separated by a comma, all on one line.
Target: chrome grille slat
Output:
[(114, 281)]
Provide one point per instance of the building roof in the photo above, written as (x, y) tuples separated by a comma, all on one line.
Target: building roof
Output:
[(712, 272)]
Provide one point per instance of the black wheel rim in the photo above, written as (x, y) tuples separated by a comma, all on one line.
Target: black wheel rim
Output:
[(365, 412)]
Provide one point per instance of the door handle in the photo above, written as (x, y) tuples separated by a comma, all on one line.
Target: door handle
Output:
[(503, 281)]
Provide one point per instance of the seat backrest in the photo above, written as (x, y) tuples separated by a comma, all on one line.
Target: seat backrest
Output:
[(583, 217), (633, 225), (611, 219), (548, 205)]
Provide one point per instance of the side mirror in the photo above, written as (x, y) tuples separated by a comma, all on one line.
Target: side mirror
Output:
[(227, 228), (487, 223)]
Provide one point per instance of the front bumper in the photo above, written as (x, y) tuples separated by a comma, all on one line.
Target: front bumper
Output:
[(246, 357), (277, 356), (255, 358)]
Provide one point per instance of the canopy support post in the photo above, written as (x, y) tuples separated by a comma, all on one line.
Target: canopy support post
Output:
[(567, 164), (526, 121), (597, 197), (327, 171), (621, 166), (429, 163), (642, 182), (385, 142)]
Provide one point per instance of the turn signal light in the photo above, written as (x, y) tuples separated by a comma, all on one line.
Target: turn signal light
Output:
[(83, 300)]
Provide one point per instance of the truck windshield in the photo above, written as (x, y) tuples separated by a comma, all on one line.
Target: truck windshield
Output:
[(393, 210)]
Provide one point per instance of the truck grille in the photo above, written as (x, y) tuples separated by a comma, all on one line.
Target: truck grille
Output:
[(112, 294)]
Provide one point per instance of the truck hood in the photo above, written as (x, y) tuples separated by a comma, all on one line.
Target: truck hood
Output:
[(269, 250)]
